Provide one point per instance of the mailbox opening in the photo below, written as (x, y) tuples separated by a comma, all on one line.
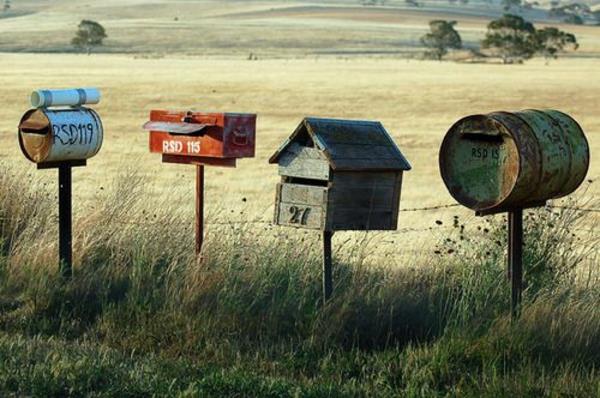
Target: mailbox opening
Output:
[(305, 181), (35, 135)]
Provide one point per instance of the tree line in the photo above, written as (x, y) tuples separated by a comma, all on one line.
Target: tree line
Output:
[(511, 38)]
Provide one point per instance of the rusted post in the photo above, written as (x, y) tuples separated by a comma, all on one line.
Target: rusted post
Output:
[(65, 237), (199, 208), (327, 272), (515, 258)]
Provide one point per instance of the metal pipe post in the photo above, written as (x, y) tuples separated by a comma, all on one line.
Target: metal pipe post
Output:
[(199, 208), (65, 237), (515, 258), (327, 271)]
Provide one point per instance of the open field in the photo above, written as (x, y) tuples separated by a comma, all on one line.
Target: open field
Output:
[(267, 28), (416, 101)]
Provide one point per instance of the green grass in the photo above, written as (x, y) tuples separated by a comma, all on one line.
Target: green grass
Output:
[(141, 317)]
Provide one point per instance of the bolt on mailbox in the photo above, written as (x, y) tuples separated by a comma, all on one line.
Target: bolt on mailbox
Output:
[(338, 175), (509, 161), (59, 132), (200, 138)]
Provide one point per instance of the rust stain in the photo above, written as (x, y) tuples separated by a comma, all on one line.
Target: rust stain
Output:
[(506, 160)]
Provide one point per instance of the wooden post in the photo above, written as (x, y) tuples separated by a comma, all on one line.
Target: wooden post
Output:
[(327, 272), (199, 208), (515, 258), (65, 237)]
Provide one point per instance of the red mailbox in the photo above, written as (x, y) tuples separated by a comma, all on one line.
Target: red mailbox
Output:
[(203, 138), (200, 138)]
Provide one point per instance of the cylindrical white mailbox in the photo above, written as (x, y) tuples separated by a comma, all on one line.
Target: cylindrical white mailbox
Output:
[(71, 97), (58, 135)]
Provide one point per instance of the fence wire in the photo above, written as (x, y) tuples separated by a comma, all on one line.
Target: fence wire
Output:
[(269, 223)]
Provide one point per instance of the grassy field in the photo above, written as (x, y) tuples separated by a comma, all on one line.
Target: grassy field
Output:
[(416, 101), (422, 311)]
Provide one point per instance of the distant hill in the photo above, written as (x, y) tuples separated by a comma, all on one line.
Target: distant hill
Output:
[(275, 28)]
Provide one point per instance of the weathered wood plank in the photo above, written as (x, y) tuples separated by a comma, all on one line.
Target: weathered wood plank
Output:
[(359, 220), (364, 179), (300, 216), (303, 152), (303, 194), (396, 200), (367, 164), (353, 151), (373, 197), (292, 165)]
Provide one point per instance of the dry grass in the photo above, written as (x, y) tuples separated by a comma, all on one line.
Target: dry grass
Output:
[(416, 100)]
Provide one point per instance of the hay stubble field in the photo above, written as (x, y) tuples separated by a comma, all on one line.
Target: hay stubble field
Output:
[(416, 101)]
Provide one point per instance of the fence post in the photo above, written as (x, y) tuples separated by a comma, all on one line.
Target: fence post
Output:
[(327, 271), (199, 208), (515, 258)]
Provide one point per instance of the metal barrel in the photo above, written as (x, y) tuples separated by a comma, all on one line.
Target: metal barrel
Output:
[(505, 160), (57, 135)]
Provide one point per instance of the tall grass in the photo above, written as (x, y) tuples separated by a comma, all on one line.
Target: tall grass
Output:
[(142, 315)]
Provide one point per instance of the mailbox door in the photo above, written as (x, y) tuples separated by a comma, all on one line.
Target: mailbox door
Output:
[(301, 206)]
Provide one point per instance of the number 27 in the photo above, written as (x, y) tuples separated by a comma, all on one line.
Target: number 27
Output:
[(299, 215)]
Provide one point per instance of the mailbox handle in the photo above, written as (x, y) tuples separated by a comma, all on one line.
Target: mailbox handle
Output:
[(240, 137)]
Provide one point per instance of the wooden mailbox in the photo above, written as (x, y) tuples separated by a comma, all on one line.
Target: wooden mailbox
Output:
[(338, 175), (200, 138)]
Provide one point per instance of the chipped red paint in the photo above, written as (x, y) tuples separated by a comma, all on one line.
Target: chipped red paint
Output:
[(225, 135)]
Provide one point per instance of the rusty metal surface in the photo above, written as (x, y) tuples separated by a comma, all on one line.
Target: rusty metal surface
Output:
[(199, 160), (224, 135), (556, 153), (506, 160), (59, 135), (580, 150), (528, 161)]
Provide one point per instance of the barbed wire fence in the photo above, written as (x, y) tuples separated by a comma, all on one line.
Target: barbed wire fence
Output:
[(438, 224)]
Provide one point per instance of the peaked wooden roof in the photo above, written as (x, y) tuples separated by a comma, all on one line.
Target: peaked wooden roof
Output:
[(349, 144)]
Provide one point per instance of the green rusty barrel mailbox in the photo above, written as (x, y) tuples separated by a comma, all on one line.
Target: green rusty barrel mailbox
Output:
[(505, 162), (502, 161)]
